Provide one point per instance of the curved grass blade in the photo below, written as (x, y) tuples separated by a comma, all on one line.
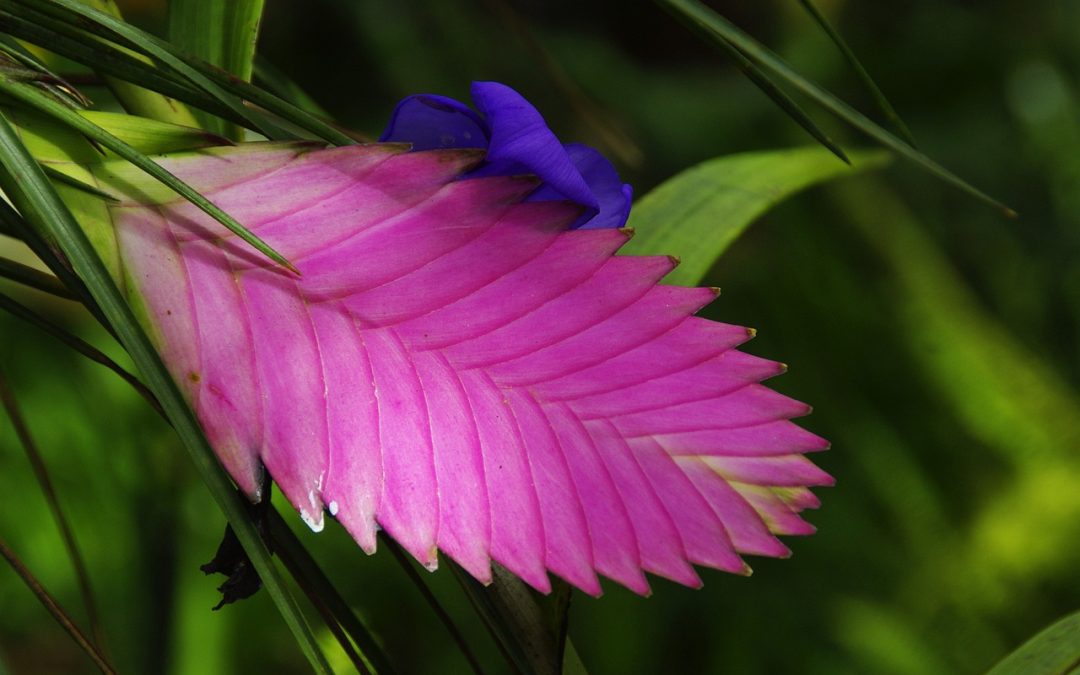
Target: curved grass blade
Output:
[(780, 98), (107, 59), (55, 609), (880, 100), (274, 80), (215, 82), (113, 28), (1054, 651), (34, 278), (41, 473), (307, 572), (78, 344), (701, 211), (43, 104), (24, 183), (716, 27)]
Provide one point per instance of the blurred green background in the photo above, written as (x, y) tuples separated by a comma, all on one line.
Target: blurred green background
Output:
[(937, 340)]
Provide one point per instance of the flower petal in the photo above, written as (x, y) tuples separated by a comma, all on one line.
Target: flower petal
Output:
[(430, 121), (521, 142), (612, 195)]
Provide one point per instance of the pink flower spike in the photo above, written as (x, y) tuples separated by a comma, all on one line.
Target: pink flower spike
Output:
[(457, 367)]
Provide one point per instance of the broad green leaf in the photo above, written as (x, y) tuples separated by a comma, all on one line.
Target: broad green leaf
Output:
[(717, 28), (1054, 651), (24, 183), (220, 32), (136, 99), (51, 142), (700, 212)]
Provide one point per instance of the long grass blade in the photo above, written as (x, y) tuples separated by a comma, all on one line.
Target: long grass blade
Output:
[(41, 473), (225, 88), (115, 29), (26, 185), (61, 177), (12, 222), (107, 59), (717, 27), (34, 278), (780, 98), (78, 344), (35, 99), (309, 575), (861, 72), (55, 609), (406, 565)]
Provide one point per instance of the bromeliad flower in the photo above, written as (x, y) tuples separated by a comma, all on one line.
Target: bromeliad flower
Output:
[(464, 362), (517, 142)]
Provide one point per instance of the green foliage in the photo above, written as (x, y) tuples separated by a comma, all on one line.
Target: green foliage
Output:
[(1054, 651), (700, 212)]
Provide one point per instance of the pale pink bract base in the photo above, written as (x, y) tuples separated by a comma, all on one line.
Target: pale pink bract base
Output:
[(456, 367)]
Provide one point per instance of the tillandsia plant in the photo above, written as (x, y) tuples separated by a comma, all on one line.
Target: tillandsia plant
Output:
[(433, 335)]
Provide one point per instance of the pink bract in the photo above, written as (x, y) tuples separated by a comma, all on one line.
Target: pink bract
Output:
[(458, 368)]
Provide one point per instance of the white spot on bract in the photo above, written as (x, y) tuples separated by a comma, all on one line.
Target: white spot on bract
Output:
[(333, 506), (432, 565), (316, 524)]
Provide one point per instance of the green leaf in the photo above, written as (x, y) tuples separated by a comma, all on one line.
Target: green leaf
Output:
[(85, 25), (700, 212), (42, 103), (860, 71), (1054, 651), (32, 193), (220, 32), (716, 27)]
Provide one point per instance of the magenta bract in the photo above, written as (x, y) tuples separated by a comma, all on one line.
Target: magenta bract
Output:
[(457, 367)]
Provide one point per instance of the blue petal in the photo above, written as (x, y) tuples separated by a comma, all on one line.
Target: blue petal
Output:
[(522, 143), (430, 121), (612, 195)]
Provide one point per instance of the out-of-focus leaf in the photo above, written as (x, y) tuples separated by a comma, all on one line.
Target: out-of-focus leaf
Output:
[(220, 32), (25, 184), (717, 27), (55, 609), (1054, 651), (700, 212)]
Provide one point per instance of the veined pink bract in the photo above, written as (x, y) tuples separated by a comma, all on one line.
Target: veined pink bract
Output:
[(456, 366)]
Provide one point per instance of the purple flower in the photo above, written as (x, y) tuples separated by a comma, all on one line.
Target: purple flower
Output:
[(517, 141)]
